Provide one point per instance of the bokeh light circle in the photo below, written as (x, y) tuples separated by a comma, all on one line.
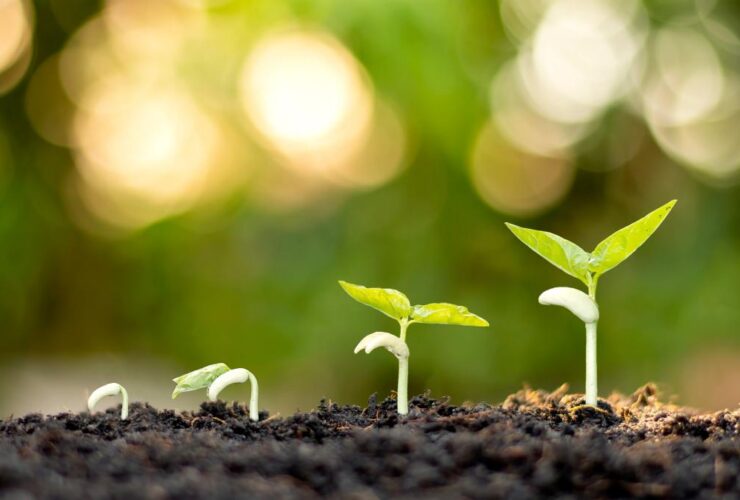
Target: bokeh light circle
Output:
[(307, 97), (515, 182)]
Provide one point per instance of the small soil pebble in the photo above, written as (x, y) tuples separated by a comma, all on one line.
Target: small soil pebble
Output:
[(535, 444)]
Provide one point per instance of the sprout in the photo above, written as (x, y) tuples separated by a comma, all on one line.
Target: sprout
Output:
[(216, 378), (396, 305), (106, 390), (237, 376), (588, 267), (587, 311)]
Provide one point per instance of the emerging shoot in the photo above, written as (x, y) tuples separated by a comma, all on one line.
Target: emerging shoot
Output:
[(216, 378), (396, 305), (588, 267), (198, 379), (585, 309), (237, 376), (106, 390)]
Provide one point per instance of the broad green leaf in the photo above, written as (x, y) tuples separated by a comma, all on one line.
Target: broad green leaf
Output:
[(446, 314), (563, 254), (386, 300), (198, 379), (620, 245)]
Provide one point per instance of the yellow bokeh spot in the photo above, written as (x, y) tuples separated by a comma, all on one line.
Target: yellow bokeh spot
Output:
[(308, 98), (514, 182)]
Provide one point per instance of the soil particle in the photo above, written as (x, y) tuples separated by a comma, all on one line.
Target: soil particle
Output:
[(534, 444)]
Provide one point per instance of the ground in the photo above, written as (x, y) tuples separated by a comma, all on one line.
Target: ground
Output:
[(534, 444)]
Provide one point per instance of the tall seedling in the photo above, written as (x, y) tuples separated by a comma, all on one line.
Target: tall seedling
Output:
[(588, 267)]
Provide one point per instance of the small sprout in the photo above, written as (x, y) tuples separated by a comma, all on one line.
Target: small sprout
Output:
[(588, 267), (237, 376), (396, 305), (198, 379), (215, 378), (585, 309), (106, 390)]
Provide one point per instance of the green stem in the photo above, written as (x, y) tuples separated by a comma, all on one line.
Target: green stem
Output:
[(404, 325), (592, 286)]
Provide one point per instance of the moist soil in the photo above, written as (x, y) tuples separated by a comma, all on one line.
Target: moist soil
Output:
[(535, 444)]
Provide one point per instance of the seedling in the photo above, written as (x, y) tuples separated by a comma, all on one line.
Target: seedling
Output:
[(237, 376), (216, 378), (396, 305), (106, 390), (588, 267)]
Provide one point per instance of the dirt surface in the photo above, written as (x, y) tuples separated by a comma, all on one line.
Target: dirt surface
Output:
[(534, 444)]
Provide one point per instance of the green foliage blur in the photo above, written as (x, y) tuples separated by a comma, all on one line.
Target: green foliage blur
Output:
[(230, 281)]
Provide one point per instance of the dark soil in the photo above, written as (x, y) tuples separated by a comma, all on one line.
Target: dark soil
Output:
[(535, 444)]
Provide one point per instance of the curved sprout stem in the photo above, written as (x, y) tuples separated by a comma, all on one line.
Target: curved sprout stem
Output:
[(584, 307), (237, 376), (112, 389)]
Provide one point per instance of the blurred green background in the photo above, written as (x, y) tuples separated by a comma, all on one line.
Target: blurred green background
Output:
[(184, 181)]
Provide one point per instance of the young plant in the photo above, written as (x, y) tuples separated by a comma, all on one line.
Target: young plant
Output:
[(396, 305), (216, 378), (588, 267), (106, 390)]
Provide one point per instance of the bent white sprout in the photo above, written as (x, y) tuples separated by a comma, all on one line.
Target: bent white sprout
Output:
[(237, 376), (400, 350), (585, 309), (112, 389)]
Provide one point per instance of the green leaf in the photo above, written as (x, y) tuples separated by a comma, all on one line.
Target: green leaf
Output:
[(386, 300), (563, 254), (198, 379), (446, 314), (616, 248)]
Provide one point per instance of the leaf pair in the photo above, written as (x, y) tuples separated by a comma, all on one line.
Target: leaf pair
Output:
[(573, 260), (396, 305), (198, 379)]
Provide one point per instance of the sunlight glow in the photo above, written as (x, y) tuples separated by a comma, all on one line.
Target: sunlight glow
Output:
[(148, 143), (16, 36), (308, 98), (522, 125), (692, 103), (514, 182), (582, 57)]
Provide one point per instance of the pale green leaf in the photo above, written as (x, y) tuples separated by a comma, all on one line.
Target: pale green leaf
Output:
[(620, 245), (198, 379), (386, 300), (446, 314), (563, 254)]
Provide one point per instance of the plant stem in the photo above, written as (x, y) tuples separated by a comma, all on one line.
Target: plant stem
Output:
[(253, 398), (591, 376), (402, 391), (403, 387), (592, 286), (591, 382), (404, 325)]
